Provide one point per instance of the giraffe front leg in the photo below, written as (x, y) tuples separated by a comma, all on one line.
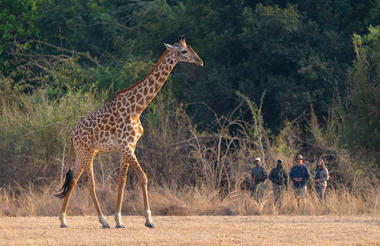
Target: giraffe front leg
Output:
[(144, 186), (148, 213), (121, 184)]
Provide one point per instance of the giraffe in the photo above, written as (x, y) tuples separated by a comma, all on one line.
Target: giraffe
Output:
[(117, 127)]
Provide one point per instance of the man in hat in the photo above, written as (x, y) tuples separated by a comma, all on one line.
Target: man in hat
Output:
[(279, 179), (259, 175), (299, 174)]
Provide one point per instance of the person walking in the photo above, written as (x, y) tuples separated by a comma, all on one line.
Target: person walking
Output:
[(259, 176), (299, 174), (279, 179), (320, 179)]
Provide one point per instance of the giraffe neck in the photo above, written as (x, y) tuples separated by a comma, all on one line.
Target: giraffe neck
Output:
[(143, 92)]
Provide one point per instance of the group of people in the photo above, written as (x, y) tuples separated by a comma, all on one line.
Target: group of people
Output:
[(299, 176)]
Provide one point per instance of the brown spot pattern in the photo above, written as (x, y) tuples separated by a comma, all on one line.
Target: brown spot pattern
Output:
[(117, 127)]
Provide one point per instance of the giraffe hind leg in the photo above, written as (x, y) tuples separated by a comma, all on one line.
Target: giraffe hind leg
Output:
[(91, 188), (71, 180)]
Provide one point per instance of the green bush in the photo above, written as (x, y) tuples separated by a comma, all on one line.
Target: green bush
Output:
[(35, 129)]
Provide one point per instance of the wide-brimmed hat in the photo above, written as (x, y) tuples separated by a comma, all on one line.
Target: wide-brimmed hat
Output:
[(299, 157), (258, 159)]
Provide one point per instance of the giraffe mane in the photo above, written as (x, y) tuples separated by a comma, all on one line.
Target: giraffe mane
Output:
[(141, 80)]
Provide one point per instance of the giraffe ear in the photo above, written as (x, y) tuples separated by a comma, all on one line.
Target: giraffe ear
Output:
[(168, 46)]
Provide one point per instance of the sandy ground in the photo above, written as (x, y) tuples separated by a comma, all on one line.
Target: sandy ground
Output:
[(195, 230)]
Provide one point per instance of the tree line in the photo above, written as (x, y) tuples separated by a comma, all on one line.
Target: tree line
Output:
[(291, 60)]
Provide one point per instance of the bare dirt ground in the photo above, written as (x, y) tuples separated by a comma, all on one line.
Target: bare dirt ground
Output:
[(195, 230)]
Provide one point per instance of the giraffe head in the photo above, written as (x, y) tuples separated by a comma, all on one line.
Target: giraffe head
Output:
[(183, 52)]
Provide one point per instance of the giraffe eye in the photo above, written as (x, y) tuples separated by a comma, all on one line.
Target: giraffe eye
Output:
[(184, 52)]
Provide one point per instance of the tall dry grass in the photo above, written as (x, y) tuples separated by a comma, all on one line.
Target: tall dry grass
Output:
[(33, 201)]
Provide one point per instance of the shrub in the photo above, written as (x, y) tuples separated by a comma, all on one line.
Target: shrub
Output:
[(34, 131)]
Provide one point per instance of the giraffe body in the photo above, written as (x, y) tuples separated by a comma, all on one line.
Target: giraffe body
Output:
[(117, 127)]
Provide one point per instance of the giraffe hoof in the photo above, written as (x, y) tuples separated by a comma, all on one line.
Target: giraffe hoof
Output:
[(106, 226), (63, 226), (150, 225), (103, 221), (120, 226)]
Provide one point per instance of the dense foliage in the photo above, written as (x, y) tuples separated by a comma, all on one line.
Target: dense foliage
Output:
[(287, 56)]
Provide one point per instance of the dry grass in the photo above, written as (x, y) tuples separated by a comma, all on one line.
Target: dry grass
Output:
[(287, 225), (195, 230), (34, 201)]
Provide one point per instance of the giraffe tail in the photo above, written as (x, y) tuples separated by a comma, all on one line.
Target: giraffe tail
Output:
[(69, 177), (66, 186)]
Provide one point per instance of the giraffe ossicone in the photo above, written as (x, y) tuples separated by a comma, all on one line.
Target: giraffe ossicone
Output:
[(117, 127)]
